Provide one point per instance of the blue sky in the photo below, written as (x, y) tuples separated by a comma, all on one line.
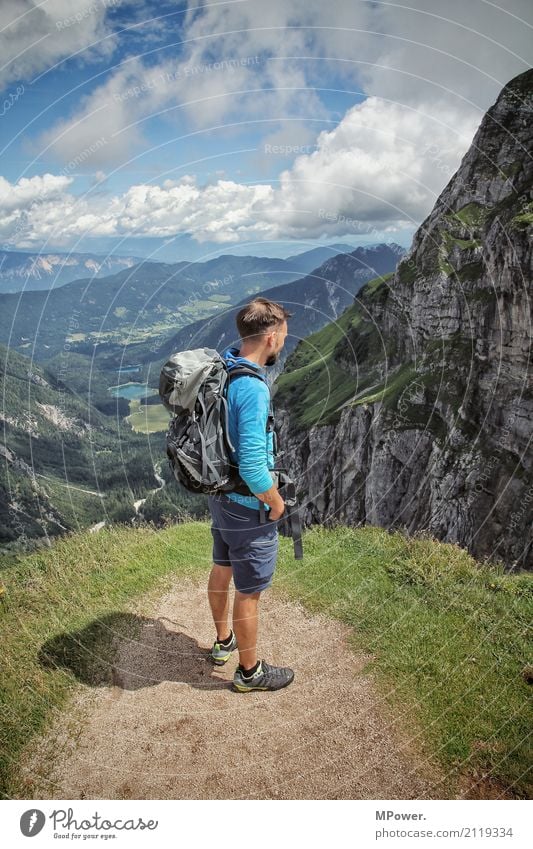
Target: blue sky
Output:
[(184, 130)]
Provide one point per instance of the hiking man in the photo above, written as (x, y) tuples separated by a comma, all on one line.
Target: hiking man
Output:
[(243, 546)]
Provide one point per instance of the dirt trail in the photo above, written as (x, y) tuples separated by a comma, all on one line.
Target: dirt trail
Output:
[(170, 727)]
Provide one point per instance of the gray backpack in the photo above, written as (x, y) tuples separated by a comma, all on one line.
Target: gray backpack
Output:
[(193, 386)]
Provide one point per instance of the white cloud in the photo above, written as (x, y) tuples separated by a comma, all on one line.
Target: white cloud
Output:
[(204, 94), (383, 165), (102, 115), (459, 53), (219, 212), (20, 197), (35, 35), (380, 168), (429, 80), (243, 61), (232, 68)]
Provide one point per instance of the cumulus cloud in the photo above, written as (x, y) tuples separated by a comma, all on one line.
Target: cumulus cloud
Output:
[(380, 168), (383, 165), (22, 204), (28, 191), (219, 212)]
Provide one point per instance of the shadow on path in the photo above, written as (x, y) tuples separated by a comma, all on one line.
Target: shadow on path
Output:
[(152, 654)]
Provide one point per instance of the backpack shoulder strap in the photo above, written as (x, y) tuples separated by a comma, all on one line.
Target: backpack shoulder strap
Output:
[(242, 369)]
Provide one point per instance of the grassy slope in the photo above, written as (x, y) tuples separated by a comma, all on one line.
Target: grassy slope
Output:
[(448, 635), (313, 384)]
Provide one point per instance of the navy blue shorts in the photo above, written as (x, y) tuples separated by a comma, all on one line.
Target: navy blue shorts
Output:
[(243, 544)]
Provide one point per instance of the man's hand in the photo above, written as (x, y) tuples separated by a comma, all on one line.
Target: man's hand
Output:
[(275, 514), (274, 500)]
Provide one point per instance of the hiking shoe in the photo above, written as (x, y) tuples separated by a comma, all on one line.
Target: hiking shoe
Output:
[(221, 654), (265, 678)]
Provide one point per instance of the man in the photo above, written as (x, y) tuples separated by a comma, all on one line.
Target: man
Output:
[(242, 545)]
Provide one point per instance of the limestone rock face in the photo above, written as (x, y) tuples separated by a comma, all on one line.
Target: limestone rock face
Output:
[(436, 432)]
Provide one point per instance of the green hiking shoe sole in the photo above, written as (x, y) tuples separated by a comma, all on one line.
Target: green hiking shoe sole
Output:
[(221, 654)]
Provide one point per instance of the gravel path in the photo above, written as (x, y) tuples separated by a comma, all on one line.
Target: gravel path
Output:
[(170, 727)]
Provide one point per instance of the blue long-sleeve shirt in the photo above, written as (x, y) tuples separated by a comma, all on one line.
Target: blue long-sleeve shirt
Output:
[(248, 404)]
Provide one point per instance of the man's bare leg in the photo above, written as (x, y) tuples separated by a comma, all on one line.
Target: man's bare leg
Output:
[(218, 594), (245, 626)]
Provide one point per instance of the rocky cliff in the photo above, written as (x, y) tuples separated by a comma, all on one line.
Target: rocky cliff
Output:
[(415, 408)]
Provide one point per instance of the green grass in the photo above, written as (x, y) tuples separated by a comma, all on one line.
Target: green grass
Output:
[(200, 307), (525, 218), (390, 389), (326, 388), (407, 272), (450, 241), (442, 261), (375, 285), (448, 636), (472, 215), (312, 366), (148, 418), (59, 610), (315, 384), (74, 506), (466, 244)]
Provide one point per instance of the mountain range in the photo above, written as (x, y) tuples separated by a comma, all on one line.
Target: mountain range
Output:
[(61, 458), (42, 271), (68, 457), (145, 300), (313, 300)]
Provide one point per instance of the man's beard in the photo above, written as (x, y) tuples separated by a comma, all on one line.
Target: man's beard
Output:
[(272, 359)]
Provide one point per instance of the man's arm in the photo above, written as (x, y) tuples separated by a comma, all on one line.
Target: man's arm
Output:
[(252, 414), (272, 497)]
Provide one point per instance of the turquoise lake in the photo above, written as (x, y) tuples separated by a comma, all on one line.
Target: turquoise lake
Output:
[(131, 390)]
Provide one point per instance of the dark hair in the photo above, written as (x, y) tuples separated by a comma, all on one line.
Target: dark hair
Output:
[(259, 316)]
